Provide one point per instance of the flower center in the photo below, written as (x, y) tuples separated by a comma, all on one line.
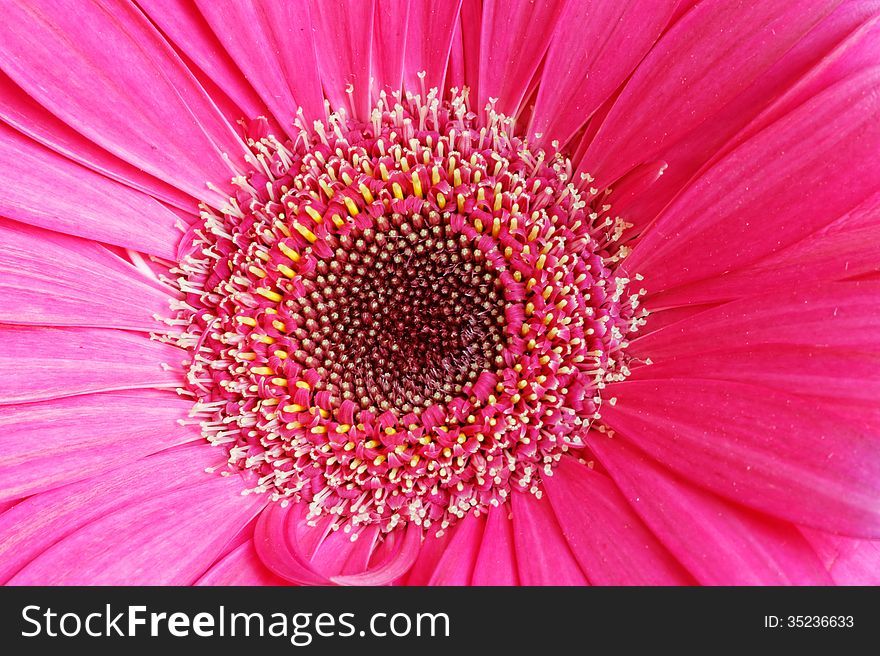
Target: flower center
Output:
[(407, 319), (401, 316)]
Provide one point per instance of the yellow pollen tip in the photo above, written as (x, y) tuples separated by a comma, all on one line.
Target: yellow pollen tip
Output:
[(307, 234), (286, 271), (268, 293), (351, 206), (289, 252)]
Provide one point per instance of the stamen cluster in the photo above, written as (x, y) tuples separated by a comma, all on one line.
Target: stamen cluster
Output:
[(406, 319)]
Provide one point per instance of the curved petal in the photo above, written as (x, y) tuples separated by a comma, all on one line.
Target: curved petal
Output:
[(38, 522), (496, 560), (51, 279), (45, 189), (240, 567), (789, 181), (63, 440), (705, 60), (398, 562), (594, 48), (272, 44), (271, 541), (102, 68), (719, 543), (165, 539), (47, 363), (542, 553), (608, 539), (765, 449)]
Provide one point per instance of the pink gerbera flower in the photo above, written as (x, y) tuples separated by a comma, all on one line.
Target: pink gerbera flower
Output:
[(548, 292)]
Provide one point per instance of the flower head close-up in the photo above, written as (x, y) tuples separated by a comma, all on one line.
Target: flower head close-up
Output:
[(411, 292)]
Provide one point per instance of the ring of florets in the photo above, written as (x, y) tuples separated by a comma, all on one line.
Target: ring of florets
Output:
[(404, 319)]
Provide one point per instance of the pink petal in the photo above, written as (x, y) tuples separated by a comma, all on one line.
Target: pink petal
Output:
[(343, 43), (106, 72), (166, 539), (827, 42), (339, 554), (45, 189), (430, 552), (799, 175), (291, 546), (430, 27), (73, 361), (53, 445), (31, 119), (52, 279), (470, 27), (389, 43), (765, 449), (826, 373), (609, 541), (36, 523), (496, 560), (844, 249), (705, 60), (542, 553), (241, 566), (395, 565), (718, 542), (506, 66), (187, 30), (456, 564), (849, 561), (276, 526), (855, 53), (595, 47), (842, 315), (272, 44)]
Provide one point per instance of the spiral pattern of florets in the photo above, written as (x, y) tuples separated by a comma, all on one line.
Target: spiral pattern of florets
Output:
[(404, 320)]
